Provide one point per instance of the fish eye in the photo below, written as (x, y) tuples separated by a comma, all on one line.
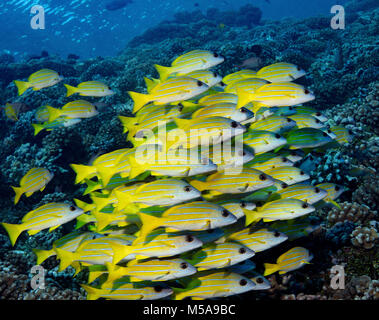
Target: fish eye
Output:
[(306, 91), (216, 55), (183, 265), (318, 121), (222, 84), (189, 238), (305, 205), (225, 213), (277, 234), (158, 289), (291, 108), (293, 153), (284, 185), (242, 250), (72, 208), (318, 114), (289, 120), (317, 190), (243, 204), (284, 159), (302, 173), (234, 124), (210, 231), (298, 68), (337, 188), (243, 109), (243, 282), (277, 136), (325, 134), (187, 188), (214, 74), (350, 132), (262, 177), (259, 280), (199, 83)]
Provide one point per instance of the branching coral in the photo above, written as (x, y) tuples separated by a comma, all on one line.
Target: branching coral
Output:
[(364, 237)]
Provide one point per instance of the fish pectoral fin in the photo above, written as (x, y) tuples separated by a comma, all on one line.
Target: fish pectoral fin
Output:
[(43, 188), (28, 194), (197, 298), (227, 263), (33, 232), (335, 204), (53, 228), (244, 188)]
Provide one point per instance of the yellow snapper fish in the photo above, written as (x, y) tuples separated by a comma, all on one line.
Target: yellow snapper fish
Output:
[(276, 95), (38, 80), (249, 85), (90, 89), (307, 138), (114, 182), (210, 78), (42, 114), (159, 115), (292, 155), (217, 256), (188, 62), (273, 123), (168, 91), (284, 111), (295, 228), (313, 112), (261, 283), (226, 110), (257, 240), (102, 162), (73, 110), (195, 216), (164, 192), (343, 135), (215, 285), (281, 72), (158, 244), (49, 216), (57, 123), (239, 75), (173, 164), (289, 175), (267, 161), (69, 242), (151, 270), (127, 291), (263, 141), (306, 120), (203, 131), (282, 209), (304, 192), (35, 179), (239, 181), (333, 190), (291, 260), (12, 111), (93, 252), (218, 98)]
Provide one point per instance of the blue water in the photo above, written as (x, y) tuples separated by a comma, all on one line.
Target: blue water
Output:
[(86, 28)]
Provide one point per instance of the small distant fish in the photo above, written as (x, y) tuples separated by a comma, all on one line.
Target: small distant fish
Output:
[(268, 161), (90, 89), (288, 174), (281, 72), (306, 121), (263, 141), (343, 135), (251, 63), (35, 179), (309, 110), (307, 138), (282, 209), (215, 285), (117, 4), (12, 111), (41, 79), (334, 191), (58, 123), (304, 192), (73, 110), (42, 114), (170, 90), (49, 216), (295, 228), (291, 260), (274, 124)]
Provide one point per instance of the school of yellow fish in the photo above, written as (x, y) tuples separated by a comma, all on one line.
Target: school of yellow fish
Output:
[(211, 181)]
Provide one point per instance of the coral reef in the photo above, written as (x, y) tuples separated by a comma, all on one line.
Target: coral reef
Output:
[(364, 237)]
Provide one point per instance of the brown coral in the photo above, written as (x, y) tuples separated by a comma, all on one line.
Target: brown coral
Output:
[(354, 212), (364, 237)]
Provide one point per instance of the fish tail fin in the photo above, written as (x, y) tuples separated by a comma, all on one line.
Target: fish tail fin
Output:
[(120, 251), (251, 217), (66, 258), (82, 171), (149, 223), (270, 268), (99, 202), (139, 99), (54, 113), (91, 186), (84, 205), (164, 72), (92, 293), (42, 255), (22, 86), (105, 175), (70, 90), (102, 219), (244, 97), (14, 231), (179, 293), (123, 199), (37, 128), (127, 122), (199, 185), (151, 83), (18, 193), (136, 168)]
